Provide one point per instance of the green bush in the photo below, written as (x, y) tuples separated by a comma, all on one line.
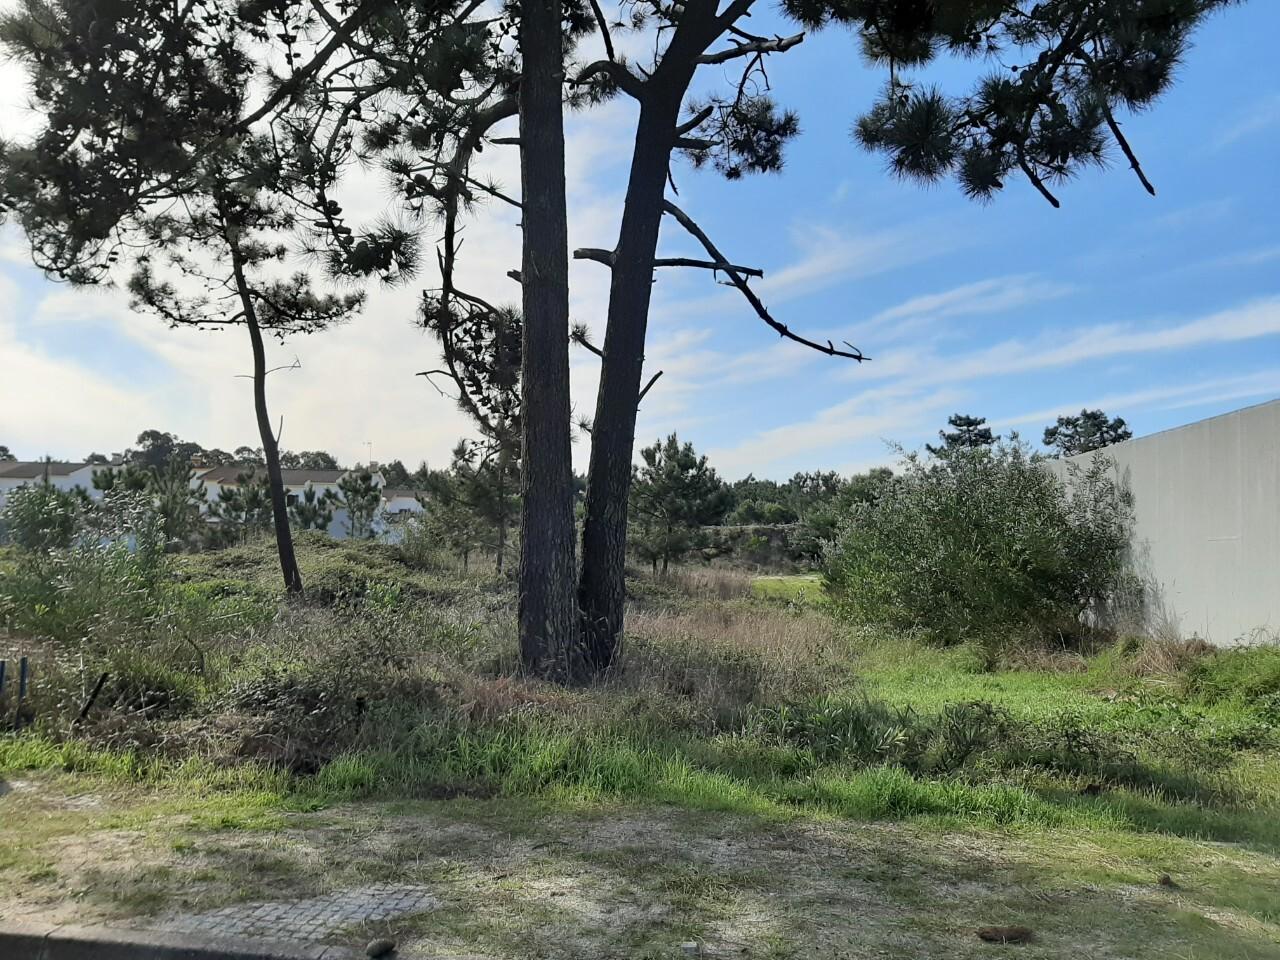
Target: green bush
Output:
[(40, 517), (1246, 675), (983, 543), (82, 571)]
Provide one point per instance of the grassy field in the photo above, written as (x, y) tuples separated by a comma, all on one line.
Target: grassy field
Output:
[(754, 776)]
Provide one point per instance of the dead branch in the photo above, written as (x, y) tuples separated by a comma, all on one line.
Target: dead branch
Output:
[(604, 29), (697, 120), (652, 381), (739, 281), (607, 257), (750, 47), (580, 336), (708, 265)]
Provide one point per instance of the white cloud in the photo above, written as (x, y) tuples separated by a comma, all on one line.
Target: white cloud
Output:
[(1248, 258), (356, 383), (875, 415), (1259, 318), (915, 388), (984, 296), (1261, 115), (1265, 383), (50, 405)]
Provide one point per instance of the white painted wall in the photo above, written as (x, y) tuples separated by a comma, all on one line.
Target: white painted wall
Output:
[(1207, 524), (69, 481)]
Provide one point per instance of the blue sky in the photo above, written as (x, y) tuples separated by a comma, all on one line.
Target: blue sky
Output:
[(1163, 310)]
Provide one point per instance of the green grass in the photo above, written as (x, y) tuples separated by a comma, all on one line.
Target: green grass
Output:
[(335, 572), (760, 710), (794, 588)]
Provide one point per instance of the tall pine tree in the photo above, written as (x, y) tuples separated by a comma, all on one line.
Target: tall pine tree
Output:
[(148, 163)]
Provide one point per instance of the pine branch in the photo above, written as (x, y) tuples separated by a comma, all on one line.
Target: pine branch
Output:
[(626, 81), (751, 47), (739, 281)]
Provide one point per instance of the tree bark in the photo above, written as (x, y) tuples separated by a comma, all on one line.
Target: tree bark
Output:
[(270, 451), (602, 585), (547, 610)]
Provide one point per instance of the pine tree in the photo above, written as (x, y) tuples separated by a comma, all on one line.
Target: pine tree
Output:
[(5, 455), (147, 162), (1091, 430), (396, 475), (127, 477), (487, 480), (673, 495), (449, 518), (966, 432), (313, 511), (1076, 65), (242, 509), (178, 499), (361, 497)]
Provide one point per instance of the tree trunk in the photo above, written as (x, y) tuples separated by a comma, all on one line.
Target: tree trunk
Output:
[(502, 538), (270, 452), (602, 587), (548, 614)]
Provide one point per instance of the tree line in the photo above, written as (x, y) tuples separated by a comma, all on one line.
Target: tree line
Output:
[(173, 155)]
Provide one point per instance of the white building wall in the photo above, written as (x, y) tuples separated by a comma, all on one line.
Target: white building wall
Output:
[(1207, 524)]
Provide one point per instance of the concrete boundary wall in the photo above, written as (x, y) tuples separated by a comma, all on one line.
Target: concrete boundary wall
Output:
[(1207, 524)]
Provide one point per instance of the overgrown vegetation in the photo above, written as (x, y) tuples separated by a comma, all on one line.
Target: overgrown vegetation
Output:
[(984, 542), (399, 675)]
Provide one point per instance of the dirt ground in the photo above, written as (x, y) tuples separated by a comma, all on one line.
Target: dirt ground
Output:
[(517, 879)]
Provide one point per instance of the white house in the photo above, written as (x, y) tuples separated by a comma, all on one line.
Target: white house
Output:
[(64, 476), (397, 502)]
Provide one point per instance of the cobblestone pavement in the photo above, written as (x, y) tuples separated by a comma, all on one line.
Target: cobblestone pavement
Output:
[(312, 919)]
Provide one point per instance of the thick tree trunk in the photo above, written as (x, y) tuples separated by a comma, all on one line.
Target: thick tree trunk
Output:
[(270, 451), (602, 586), (548, 612)]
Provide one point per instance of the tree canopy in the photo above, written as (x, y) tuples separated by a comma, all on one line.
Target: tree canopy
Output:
[(1090, 430), (966, 431), (674, 494)]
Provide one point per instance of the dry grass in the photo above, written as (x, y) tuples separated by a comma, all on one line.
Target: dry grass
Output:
[(730, 653), (1164, 656), (711, 583)]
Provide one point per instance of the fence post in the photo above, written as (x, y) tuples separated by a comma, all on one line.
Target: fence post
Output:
[(24, 675)]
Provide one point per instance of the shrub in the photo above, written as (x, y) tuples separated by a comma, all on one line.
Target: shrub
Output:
[(82, 571), (982, 542), (1247, 675), (41, 517)]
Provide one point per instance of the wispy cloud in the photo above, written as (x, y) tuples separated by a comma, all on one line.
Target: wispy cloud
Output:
[(983, 297), (914, 389), (879, 414), (826, 257), (1064, 348), (1261, 115), (1264, 383), (1248, 258), (1195, 214)]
